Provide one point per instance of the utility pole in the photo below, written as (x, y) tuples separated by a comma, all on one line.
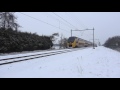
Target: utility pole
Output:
[(85, 30), (59, 24), (93, 39), (61, 41)]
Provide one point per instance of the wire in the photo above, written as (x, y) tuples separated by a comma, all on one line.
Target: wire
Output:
[(81, 22), (64, 19), (42, 21), (60, 21), (72, 18)]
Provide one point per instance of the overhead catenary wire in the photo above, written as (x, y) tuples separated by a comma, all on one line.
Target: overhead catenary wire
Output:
[(78, 21), (43, 21), (60, 21), (72, 18), (64, 20), (81, 24)]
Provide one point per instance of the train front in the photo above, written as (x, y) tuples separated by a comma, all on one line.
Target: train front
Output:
[(71, 42)]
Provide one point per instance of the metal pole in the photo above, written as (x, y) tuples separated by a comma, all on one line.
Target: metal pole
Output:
[(59, 23), (61, 42), (71, 33), (93, 39)]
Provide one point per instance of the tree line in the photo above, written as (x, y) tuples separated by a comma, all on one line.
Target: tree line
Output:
[(13, 40), (16, 41), (113, 42)]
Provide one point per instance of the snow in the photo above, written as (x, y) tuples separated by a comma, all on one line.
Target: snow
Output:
[(100, 62), (30, 53)]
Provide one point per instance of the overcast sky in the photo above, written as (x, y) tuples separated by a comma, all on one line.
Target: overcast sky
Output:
[(106, 24)]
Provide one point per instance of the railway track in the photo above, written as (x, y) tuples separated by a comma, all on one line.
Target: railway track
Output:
[(33, 56), (25, 52)]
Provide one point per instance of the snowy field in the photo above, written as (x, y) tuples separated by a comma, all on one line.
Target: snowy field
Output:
[(87, 63)]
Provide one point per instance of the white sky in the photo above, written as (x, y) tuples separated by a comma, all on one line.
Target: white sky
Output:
[(86, 63), (106, 24)]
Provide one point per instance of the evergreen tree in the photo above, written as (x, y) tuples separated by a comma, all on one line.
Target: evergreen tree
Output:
[(113, 42)]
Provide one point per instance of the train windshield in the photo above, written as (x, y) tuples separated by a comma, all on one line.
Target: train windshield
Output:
[(71, 39)]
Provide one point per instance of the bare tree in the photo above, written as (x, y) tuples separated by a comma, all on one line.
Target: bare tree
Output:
[(63, 42), (53, 37), (8, 20)]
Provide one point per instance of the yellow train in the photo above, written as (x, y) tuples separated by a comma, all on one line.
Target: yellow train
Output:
[(77, 42)]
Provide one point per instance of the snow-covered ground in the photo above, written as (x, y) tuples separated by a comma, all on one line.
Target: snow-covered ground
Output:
[(56, 47), (86, 63)]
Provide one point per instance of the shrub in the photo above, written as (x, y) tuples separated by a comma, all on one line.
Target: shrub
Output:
[(16, 41)]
